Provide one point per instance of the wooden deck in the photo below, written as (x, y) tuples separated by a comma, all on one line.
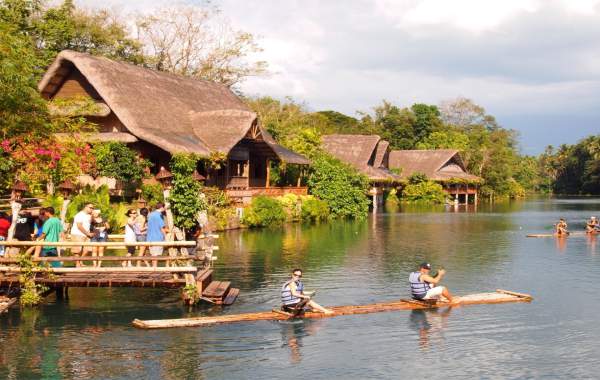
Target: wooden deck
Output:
[(178, 272)]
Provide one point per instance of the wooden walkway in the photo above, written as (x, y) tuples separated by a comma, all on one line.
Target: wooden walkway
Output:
[(178, 272)]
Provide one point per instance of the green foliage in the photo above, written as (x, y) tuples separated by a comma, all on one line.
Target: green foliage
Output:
[(114, 214), (185, 196), (340, 186), (572, 169), (424, 191), (314, 209), (31, 293), (292, 206), (223, 216), (449, 139), (417, 178), (264, 212), (116, 160), (152, 193)]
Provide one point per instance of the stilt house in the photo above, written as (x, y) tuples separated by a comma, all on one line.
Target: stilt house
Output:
[(444, 166), (369, 154), (159, 114)]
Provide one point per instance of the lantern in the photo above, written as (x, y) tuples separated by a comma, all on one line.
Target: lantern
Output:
[(18, 189), (197, 176), (165, 178), (66, 188)]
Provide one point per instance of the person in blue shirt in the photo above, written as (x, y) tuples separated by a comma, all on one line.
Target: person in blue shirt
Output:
[(157, 229)]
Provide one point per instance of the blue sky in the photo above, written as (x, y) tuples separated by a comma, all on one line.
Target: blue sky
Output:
[(534, 64)]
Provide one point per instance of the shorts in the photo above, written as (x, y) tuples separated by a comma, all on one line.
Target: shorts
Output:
[(156, 251), (51, 252), (140, 237), (99, 239), (434, 293), (78, 238)]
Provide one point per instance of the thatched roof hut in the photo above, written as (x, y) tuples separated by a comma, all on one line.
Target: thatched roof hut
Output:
[(174, 113), (367, 153), (438, 165)]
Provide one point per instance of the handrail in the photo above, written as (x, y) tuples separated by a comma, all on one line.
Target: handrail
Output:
[(104, 258), (17, 243)]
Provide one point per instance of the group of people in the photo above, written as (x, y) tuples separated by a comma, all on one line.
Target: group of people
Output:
[(592, 226), (88, 226), (423, 287)]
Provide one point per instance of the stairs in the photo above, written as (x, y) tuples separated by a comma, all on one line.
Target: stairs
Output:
[(218, 292)]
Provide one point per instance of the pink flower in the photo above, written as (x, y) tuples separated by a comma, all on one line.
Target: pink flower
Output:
[(5, 145)]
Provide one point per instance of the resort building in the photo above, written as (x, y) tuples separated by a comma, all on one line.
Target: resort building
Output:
[(444, 166), (369, 154), (159, 114)]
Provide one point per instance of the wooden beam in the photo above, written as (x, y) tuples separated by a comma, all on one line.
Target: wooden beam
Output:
[(103, 258), (268, 173)]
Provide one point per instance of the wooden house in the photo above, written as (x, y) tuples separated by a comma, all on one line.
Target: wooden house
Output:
[(369, 154), (158, 114), (444, 166)]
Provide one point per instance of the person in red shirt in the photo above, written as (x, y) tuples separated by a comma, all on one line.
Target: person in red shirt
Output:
[(4, 224)]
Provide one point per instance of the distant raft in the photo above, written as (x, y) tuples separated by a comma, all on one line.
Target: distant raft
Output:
[(572, 234), (500, 296)]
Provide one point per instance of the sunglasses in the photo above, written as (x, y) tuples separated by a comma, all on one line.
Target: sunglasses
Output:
[(297, 275)]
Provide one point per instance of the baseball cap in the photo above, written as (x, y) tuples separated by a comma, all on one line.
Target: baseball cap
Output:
[(425, 266)]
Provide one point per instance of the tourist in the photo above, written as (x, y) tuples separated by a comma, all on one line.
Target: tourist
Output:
[(39, 222), (562, 229), (52, 233), (294, 299), (130, 236), (425, 287), (99, 229), (141, 230), (157, 230), (592, 225), (24, 229), (80, 230), (4, 227)]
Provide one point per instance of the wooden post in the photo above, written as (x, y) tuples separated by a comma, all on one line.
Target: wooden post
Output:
[(268, 173), (16, 208), (299, 182)]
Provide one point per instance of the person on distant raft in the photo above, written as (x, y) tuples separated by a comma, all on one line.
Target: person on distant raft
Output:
[(592, 225), (425, 287), (562, 229), (294, 299)]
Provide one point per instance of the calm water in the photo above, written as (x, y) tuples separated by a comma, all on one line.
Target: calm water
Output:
[(556, 336)]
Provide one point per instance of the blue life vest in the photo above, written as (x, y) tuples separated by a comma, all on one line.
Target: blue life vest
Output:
[(286, 293), (418, 288)]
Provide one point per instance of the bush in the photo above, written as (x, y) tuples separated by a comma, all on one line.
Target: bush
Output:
[(264, 212), (291, 206), (314, 209), (340, 186), (427, 191), (116, 160), (152, 193), (185, 196)]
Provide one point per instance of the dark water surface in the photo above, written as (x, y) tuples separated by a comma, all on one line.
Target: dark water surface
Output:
[(556, 336)]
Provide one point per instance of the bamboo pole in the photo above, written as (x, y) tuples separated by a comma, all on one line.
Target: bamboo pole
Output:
[(98, 244), (8, 269)]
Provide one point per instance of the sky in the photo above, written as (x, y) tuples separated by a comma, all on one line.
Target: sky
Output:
[(533, 64)]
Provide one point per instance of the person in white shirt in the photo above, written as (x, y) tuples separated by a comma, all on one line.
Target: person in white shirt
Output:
[(80, 230)]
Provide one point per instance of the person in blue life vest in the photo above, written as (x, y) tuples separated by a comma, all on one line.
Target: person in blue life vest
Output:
[(293, 297), (423, 286)]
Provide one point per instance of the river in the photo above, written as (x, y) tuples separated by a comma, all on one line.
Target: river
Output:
[(556, 336)]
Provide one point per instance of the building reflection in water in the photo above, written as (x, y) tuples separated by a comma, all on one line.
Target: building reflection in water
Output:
[(430, 325)]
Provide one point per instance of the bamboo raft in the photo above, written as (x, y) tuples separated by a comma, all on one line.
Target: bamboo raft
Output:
[(563, 236), (500, 296)]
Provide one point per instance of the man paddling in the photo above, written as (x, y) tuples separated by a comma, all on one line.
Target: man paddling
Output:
[(294, 299), (425, 287), (562, 229), (592, 225)]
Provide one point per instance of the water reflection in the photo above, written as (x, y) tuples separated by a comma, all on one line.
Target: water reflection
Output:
[(430, 325), (561, 244), (293, 332)]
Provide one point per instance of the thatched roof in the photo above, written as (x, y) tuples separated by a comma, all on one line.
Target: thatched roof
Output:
[(365, 152), (437, 165), (175, 113), (126, 138)]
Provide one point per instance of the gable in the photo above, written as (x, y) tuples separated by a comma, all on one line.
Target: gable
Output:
[(71, 84)]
